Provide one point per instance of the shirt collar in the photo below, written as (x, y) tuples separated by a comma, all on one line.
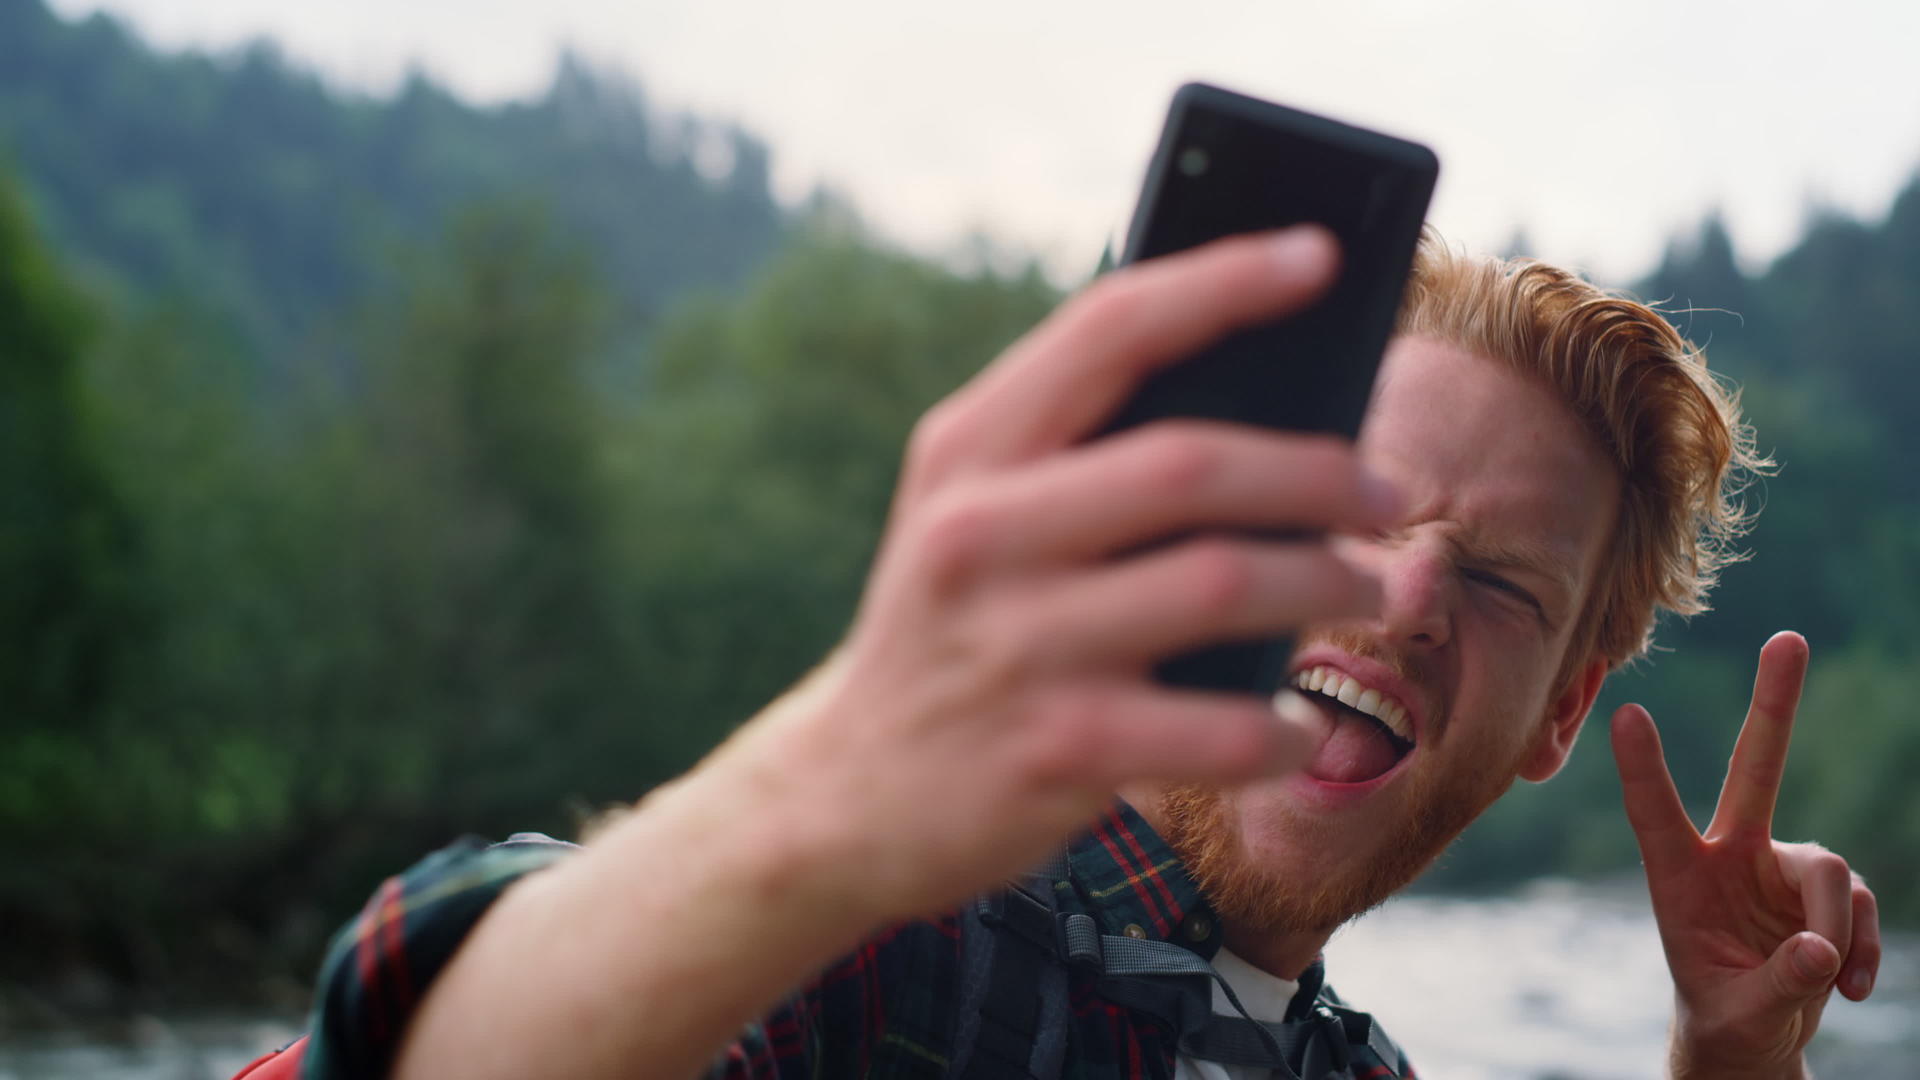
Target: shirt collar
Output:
[(1136, 886)]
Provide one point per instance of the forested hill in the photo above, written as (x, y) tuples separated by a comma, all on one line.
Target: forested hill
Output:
[(259, 649), (270, 200), (1841, 308)]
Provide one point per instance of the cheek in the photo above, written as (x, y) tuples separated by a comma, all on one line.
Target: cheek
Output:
[(1502, 698), (1510, 640)]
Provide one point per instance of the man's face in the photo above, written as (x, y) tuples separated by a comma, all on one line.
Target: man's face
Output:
[(1512, 505)]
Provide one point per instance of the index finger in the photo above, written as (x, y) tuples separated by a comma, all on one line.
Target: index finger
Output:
[(1056, 385), (1659, 819), (1760, 754)]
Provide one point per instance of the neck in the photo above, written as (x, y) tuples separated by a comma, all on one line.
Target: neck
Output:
[(1286, 954)]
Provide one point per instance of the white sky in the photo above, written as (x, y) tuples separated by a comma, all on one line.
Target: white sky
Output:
[(1602, 127)]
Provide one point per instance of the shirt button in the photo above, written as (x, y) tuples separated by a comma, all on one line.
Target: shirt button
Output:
[(1135, 931), (1199, 928)]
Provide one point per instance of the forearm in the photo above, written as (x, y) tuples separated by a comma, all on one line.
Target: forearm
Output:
[(645, 954)]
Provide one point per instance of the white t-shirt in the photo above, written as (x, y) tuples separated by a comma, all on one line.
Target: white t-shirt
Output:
[(1265, 997)]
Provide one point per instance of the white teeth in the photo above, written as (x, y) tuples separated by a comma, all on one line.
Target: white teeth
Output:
[(1348, 691)]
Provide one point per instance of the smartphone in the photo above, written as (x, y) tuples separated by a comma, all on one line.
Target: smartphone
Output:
[(1228, 164)]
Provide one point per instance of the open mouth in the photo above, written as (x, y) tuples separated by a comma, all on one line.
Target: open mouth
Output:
[(1371, 731)]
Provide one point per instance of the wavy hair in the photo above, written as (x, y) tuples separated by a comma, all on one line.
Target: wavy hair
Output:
[(1671, 427)]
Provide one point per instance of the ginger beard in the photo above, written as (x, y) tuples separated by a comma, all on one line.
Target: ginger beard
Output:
[(1202, 827)]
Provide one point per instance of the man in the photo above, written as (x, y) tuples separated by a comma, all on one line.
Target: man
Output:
[(1541, 469)]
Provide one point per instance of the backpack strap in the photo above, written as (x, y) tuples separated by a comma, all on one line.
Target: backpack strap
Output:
[(1017, 948), (1011, 1022)]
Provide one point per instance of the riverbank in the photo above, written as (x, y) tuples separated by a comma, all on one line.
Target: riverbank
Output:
[(1563, 980), (147, 1047), (1557, 980)]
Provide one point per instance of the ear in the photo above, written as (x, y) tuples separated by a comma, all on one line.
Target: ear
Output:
[(1569, 710)]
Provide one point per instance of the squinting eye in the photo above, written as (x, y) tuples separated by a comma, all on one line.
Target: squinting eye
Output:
[(1485, 578), (1495, 581), (1509, 589)]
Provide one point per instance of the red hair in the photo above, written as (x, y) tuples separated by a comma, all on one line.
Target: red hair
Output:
[(1670, 427)]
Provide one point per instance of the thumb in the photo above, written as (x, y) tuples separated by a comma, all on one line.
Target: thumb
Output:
[(1761, 1018), (1800, 970)]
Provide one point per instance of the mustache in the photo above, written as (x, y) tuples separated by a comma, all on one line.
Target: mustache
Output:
[(1364, 646)]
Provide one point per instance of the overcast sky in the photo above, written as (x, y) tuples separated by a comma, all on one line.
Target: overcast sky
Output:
[(1600, 127)]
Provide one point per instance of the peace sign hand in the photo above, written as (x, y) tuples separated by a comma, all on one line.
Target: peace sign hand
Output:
[(1756, 932)]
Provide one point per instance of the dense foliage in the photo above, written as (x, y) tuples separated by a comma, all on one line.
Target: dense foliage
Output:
[(368, 476), (469, 593)]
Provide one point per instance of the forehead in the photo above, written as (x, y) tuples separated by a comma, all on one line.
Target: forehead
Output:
[(1497, 453)]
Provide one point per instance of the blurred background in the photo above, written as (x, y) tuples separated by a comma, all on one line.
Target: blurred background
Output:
[(433, 420)]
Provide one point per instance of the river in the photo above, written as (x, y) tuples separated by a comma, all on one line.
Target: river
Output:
[(1555, 982), (1567, 982)]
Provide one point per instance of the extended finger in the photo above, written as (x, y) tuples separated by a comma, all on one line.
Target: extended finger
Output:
[(1057, 384), (1170, 478), (1863, 958), (1825, 885), (1660, 823), (1121, 732), (1134, 611), (1760, 755)]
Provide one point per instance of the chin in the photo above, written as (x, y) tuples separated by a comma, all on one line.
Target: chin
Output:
[(1270, 861), (1263, 867)]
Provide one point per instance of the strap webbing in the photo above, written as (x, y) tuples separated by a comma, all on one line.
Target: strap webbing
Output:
[(1012, 1023), (1013, 1019)]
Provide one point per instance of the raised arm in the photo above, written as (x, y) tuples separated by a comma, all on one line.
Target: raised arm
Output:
[(991, 695)]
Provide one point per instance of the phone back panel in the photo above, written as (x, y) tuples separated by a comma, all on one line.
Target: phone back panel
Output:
[(1230, 164)]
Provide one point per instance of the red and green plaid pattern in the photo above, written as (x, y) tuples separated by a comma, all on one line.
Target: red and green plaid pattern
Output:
[(883, 1012)]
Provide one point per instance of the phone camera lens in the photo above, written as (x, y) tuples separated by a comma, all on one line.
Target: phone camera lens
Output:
[(1193, 161)]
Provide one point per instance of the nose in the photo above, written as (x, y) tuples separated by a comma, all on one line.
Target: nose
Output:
[(1417, 592)]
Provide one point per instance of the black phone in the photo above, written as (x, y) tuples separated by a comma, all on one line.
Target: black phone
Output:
[(1228, 164)]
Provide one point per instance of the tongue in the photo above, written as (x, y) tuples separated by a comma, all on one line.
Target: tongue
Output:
[(1357, 751)]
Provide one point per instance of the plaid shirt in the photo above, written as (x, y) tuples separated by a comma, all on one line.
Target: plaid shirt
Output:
[(884, 1011)]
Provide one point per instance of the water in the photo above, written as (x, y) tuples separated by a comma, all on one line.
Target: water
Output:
[(1557, 982), (147, 1048), (1568, 982)]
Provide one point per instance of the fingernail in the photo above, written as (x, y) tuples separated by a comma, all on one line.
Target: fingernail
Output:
[(1860, 983), (1382, 497), (1312, 724), (1812, 961), (1304, 247)]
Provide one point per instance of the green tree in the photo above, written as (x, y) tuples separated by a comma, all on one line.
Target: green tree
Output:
[(67, 615), (767, 446), (1849, 782), (62, 533)]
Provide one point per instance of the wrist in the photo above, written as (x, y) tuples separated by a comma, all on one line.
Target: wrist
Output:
[(1688, 1059), (741, 831)]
